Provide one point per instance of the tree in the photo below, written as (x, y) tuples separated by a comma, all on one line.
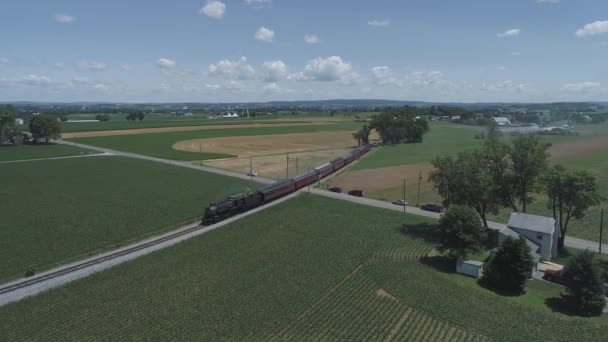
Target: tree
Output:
[(102, 117), (570, 194), (131, 117), (45, 128), (398, 125), (467, 180), (362, 135), (509, 268), (584, 293), (460, 232), (530, 159), (8, 129), (140, 116)]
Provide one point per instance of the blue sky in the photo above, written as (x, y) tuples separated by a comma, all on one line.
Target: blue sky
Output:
[(259, 50)]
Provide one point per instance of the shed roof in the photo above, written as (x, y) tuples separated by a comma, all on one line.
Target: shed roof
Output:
[(535, 223), (473, 263), (501, 119)]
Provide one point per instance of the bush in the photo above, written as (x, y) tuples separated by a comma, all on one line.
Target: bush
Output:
[(31, 271), (461, 232), (509, 268), (584, 294)]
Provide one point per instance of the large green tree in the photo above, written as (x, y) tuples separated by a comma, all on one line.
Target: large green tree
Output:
[(529, 157), (398, 125), (7, 124), (467, 180), (508, 270), (584, 293), (362, 135), (570, 194), (44, 128), (461, 232)]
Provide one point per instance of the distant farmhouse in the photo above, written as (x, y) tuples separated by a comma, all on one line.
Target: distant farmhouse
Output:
[(19, 121), (502, 121)]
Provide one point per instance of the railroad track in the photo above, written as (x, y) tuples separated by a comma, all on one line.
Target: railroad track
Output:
[(67, 270)]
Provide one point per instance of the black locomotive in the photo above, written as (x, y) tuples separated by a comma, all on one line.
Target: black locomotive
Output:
[(242, 202)]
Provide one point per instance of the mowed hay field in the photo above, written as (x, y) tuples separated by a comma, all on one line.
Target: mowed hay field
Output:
[(55, 211), (309, 269), (24, 152), (161, 144), (277, 166)]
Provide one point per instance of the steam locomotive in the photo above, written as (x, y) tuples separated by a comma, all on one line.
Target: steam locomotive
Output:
[(242, 202)]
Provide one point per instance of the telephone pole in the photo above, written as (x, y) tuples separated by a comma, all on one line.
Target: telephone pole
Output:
[(404, 195), (601, 229), (419, 181), (297, 166), (251, 167), (287, 165)]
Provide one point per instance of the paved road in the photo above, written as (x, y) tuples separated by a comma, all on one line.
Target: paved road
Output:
[(570, 241), (53, 158), (61, 280), (186, 164)]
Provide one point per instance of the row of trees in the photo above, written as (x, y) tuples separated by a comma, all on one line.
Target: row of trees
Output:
[(501, 175), (509, 268), (42, 127), (135, 116), (8, 129)]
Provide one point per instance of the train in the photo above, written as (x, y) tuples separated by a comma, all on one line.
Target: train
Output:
[(243, 202)]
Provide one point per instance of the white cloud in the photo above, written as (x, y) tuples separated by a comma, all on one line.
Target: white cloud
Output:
[(100, 86), (383, 75), (4, 60), (126, 67), (264, 34), (504, 86), (592, 29), (326, 70), (92, 66), (379, 22), (259, 3), (312, 39), (275, 71), (34, 80), (509, 33), (582, 87), (548, 1), (237, 70), (502, 68), (214, 9), (425, 78), (64, 18), (165, 63), (271, 88), (59, 65)]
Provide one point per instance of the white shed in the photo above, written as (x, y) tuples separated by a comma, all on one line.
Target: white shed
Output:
[(19, 121), (470, 268)]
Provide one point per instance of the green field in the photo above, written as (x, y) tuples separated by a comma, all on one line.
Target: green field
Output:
[(160, 144), (56, 211), (157, 121), (332, 271), (24, 152), (442, 139)]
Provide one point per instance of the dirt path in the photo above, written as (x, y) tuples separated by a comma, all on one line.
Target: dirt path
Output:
[(179, 129)]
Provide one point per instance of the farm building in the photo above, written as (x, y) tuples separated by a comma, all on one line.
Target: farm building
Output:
[(541, 233), (502, 121), (471, 268), (19, 121)]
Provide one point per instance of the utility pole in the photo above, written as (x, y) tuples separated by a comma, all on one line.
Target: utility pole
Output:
[(287, 165), (297, 166), (419, 181), (251, 167), (601, 229), (404, 195)]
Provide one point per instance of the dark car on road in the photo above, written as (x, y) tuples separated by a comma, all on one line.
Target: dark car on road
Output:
[(356, 193), (431, 207), (336, 189)]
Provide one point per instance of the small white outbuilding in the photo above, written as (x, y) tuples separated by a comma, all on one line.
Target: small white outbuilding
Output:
[(470, 268)]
